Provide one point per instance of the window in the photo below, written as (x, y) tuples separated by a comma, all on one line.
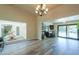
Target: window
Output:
[(68, 31), (9, 27)]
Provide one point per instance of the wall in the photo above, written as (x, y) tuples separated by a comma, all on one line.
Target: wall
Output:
[(10, 13), (57, 13)]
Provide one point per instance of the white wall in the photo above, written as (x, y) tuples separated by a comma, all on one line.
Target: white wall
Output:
[(11, 13)]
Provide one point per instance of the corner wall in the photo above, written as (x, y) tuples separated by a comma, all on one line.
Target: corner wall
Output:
[(7, 12)]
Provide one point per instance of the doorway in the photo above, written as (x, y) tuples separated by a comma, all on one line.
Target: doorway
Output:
[(47, 30), (68, 31)]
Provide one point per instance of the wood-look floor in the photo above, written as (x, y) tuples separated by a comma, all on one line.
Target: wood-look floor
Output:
[(53, 46)]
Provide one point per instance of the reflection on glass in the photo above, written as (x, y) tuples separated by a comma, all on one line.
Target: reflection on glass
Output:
[(72, 31), (17, 31), (62, 31)]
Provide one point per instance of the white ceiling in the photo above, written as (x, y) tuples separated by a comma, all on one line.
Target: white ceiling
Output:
[(31, 7)]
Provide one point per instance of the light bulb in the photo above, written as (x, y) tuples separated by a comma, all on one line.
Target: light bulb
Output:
[(44, 6), (36, 11), (45, 12), (40, 13), (37, 8), (46, 9)]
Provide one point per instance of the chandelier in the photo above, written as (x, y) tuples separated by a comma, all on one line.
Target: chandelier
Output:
[(41, 9)]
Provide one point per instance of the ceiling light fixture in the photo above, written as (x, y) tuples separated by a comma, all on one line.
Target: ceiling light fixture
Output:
[(41, 9)]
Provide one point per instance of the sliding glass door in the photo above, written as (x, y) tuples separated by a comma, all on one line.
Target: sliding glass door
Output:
[(68, 31), (62, 31), (72, 31)]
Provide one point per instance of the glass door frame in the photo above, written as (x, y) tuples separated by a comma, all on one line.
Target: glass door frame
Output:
[(66, 31)]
